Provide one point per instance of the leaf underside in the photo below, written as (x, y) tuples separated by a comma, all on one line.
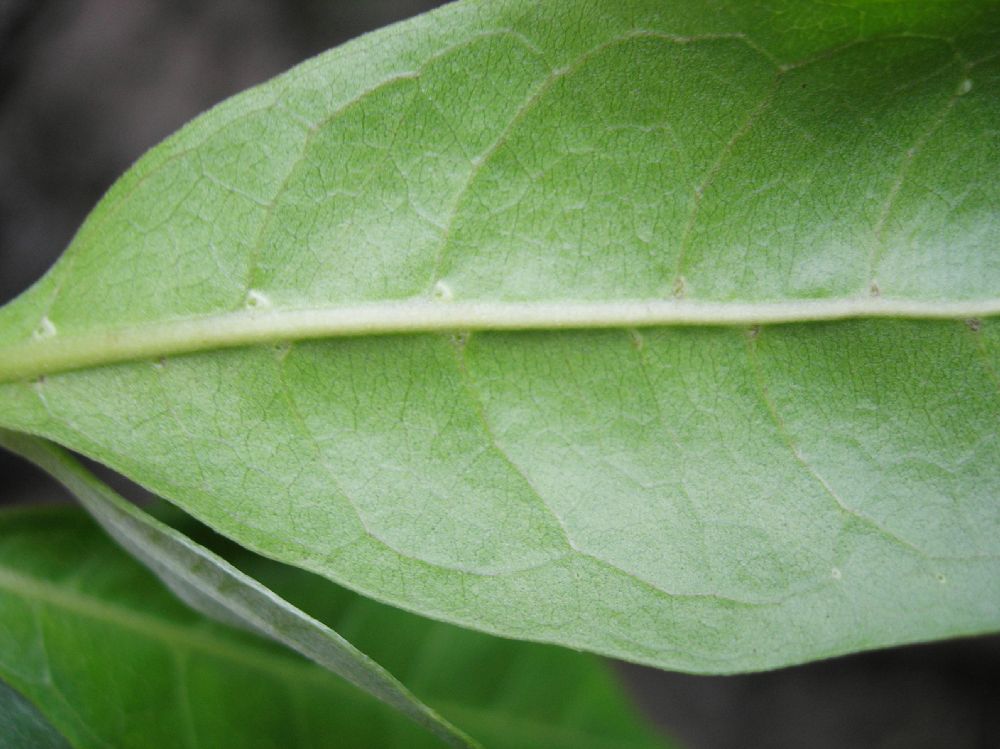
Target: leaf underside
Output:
[(254, 323)]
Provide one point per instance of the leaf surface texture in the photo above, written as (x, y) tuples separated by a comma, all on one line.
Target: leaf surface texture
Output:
[(658, 329)]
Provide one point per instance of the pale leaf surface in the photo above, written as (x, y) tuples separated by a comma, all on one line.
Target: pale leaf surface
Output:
[(730, 397)]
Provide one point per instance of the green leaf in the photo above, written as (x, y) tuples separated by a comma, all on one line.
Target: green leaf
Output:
[(214, 587), (111, 658), (22, 726), (666, 330)]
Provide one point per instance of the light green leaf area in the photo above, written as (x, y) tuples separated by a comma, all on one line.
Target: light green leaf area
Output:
[(112, 659), (209, 584), (661, 329), (23, 727)]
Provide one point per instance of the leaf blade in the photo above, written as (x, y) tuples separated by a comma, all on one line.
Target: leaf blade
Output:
[(215, 588), (23, 726), (495, 154), (101, 616)]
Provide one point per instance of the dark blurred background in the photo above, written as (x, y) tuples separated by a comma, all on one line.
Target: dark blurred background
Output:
[(87, 86)]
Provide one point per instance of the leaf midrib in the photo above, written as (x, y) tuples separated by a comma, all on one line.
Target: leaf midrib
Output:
[(53, 352)]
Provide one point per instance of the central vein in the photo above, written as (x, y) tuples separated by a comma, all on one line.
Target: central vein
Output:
[(56, 351)]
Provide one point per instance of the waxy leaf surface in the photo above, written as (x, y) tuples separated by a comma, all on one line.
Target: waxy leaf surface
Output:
[(661, 329), (111, 659), (212, 586)]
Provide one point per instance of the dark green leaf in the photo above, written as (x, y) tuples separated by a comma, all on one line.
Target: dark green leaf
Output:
[(23, 727), (112, 659), (217, 589)]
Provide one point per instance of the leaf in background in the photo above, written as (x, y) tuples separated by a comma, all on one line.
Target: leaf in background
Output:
[(217, 589), (254, 324), (111, 658), (22, 726)]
